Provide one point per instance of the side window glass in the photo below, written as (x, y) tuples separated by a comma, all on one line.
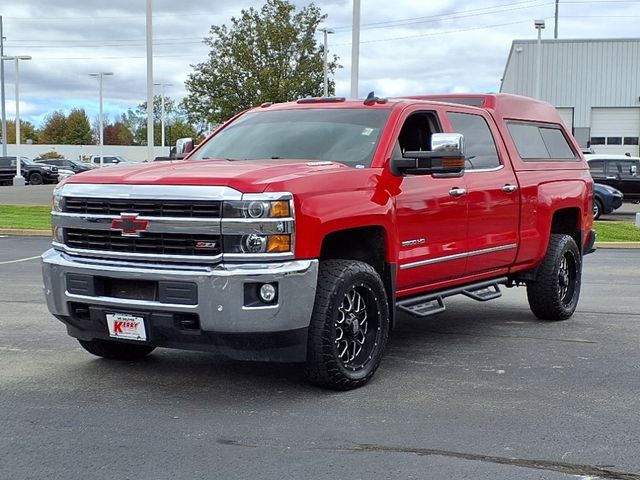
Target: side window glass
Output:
[(415, 134), (557, 145), (528, 141), (597, 168), (625, 168), (539, 142), (480, 148)]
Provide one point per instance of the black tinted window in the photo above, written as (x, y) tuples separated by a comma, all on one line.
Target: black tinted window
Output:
[(540, 142), (597, 168), (348, 135), (556, 144), (479, 146)]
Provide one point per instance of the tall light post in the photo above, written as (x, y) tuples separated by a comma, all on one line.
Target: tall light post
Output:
[(18, 180), (162, 85), (2, 98), (150, 154), (355, 49), (100, 75), (539, 24), (326, 32)]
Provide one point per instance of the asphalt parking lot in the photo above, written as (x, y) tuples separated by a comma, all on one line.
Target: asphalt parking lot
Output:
[(483, 391)]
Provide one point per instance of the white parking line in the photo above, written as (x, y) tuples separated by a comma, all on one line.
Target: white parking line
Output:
[(19, 260)]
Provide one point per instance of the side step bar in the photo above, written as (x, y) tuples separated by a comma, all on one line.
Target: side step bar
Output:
[(432, 303)]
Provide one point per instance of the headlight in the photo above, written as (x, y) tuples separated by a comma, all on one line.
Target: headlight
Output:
[(254, 243), (57, 203), (257, 209), (260, 224)]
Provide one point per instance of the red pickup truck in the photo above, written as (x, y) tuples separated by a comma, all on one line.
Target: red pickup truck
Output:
[(296, 231)]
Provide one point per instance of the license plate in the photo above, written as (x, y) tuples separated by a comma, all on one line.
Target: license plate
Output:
[(126, 326)]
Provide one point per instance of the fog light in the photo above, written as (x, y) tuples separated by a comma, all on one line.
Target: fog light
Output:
[(267, 293)]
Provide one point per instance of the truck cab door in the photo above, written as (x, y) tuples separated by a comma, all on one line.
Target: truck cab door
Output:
[(431, 213), (492, 194)]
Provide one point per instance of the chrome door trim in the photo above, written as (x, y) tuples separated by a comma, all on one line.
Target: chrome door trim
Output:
[(458, 256)]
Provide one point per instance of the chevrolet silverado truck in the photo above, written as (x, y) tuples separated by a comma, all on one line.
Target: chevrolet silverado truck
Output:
[(296, 232)]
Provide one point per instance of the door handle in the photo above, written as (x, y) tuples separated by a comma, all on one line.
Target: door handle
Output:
[(509, 188), (611, 178), (457, 192)]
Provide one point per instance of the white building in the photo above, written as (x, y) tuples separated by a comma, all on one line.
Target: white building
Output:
[(594, 84)]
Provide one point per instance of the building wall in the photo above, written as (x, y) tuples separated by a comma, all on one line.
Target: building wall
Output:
[(75, 152), (577, 73)]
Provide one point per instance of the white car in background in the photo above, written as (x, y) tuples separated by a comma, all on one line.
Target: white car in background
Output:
[(64, 173), (110, 160)]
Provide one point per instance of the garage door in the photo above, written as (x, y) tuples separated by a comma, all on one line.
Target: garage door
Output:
[(615, 130), (567, 117)]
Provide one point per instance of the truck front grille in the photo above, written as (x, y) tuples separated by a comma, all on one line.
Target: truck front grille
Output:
[(147, 243), (146, 208)]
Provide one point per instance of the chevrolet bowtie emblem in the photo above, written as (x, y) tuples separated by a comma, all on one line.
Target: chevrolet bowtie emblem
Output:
[(129, 225)]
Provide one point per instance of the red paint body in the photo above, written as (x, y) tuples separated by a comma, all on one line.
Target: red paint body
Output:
[(334, 197)]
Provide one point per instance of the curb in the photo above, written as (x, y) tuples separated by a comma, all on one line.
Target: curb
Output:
[(25, 232), (47, 233)]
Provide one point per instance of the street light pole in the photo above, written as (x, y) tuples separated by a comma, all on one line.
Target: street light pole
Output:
[(539, 24), (162, 121), (355, 49), (2, 97), (150, 154), (18, 180), (101, 118), (326, 32)]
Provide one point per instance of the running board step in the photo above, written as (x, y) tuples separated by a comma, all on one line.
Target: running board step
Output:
[(432, 303)]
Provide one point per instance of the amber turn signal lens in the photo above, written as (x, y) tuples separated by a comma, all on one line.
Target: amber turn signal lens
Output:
[(279, 244), (453, 163), (280, 209)]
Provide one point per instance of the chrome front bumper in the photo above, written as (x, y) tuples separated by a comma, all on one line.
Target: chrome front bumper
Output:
[(220, 303)]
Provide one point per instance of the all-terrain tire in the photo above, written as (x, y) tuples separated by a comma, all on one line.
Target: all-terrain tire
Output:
[(36, 179), (555, 292), (350, 319), (116, 350)]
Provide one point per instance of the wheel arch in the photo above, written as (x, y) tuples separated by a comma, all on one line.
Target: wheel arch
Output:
[(366, 244)]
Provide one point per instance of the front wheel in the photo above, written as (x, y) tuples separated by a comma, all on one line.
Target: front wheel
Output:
[(36, 179), (116, 350), (554, 293), (597, 209), (349, 325)]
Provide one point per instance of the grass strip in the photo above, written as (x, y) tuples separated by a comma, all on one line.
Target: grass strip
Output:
[(26, 217), (617, 231)]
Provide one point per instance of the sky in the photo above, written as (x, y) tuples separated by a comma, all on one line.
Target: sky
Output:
[(406, 46)]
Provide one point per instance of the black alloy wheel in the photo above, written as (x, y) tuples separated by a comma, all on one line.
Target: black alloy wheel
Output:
[(349, 325)]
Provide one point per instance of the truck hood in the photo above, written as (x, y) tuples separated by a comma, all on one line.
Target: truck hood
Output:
[(247, 176)]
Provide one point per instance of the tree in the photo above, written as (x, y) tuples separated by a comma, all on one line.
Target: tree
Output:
[(50, 155), (117, 133), (54, 129), (268, 55), (78, 129), (27, 132), (176, 122)]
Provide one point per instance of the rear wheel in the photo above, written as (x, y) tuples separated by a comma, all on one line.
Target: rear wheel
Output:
[(116, 350), (35, 179), (597, 208), (349, 325), (555, 292)]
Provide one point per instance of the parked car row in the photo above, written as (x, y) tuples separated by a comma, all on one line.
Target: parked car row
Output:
[(52, 170)]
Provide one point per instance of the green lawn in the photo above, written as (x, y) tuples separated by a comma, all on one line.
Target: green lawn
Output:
[(27, 217), (617, 232), (39, 217)]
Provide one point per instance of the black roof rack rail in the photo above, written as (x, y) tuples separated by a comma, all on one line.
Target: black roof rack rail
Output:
[(322, 100)]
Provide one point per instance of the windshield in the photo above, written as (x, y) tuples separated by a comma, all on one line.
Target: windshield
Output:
[(348, 136), (27, 161)]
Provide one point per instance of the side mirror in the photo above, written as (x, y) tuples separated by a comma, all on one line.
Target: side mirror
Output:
[(446, 157), (183, 147)]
